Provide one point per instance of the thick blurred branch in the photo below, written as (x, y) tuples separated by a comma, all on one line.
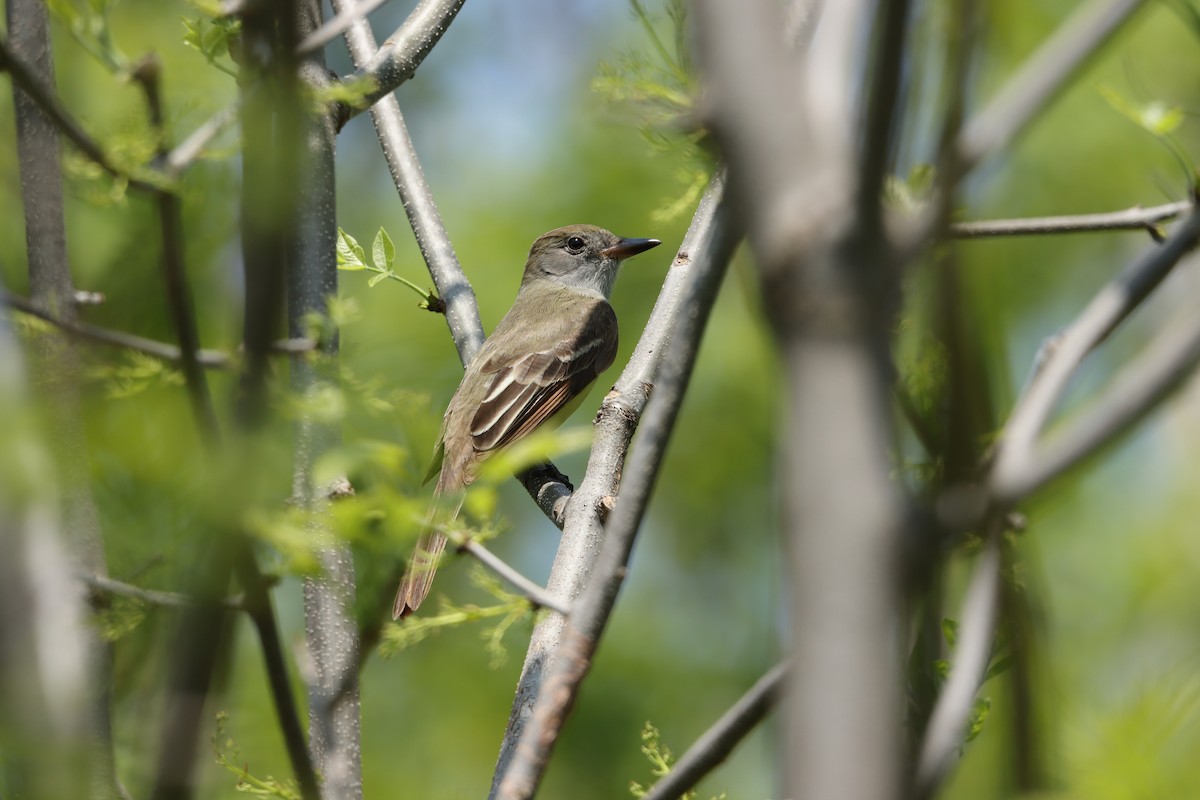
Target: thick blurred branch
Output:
[(829, 289), (330, 628), (717, 743), (591, 561), (1041, 77), (27, 56)]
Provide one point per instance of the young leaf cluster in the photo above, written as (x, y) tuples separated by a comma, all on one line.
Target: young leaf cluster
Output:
[(352, 258)]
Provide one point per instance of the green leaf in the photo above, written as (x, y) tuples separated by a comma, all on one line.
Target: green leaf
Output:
[(979, 715), (1155, 117), (376, 278), (383, 252), (950, 631), (998, 666), (349, 253)]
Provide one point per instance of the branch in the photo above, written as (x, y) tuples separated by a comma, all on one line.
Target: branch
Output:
[(404, 50), (47, 100), (1040, 79), (1136, 218), (262, 614), (214, 359), (330, 628), (708, 239), (152, 596), (550, 489), (336, 26), (462, 311), (1019, 468), (1021, 465), (977, 621), (829, 286), (1136, 391), (55, 366), (148, 74), (187, 151), (715, 745), (882, 110), (536, 594), (605, 574)]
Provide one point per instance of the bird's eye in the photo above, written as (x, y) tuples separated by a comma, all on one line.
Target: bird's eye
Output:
[(575, 244)]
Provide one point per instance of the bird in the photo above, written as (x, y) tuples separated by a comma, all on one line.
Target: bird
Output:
[(558, 336)]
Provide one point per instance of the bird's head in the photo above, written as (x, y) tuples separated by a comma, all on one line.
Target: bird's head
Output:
[(583, 257)]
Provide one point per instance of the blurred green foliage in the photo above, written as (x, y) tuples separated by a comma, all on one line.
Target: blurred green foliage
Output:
[(531, 118)]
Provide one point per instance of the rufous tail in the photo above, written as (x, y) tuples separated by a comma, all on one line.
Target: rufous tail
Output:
[(418, 578)]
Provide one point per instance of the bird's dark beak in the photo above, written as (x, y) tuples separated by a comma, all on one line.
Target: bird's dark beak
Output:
[(629, 247)]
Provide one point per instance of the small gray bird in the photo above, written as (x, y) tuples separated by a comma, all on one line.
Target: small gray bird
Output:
[(558, 336)]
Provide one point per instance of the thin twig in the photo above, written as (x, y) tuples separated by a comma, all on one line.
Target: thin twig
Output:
[(1041, 77), (397, 61), (590, 613), (1136, 218), (536, 594), (153, 596), (148, 74), (715, 744), (187, 151), (336, 26), (47, 99), (213, 359), (976, 628)]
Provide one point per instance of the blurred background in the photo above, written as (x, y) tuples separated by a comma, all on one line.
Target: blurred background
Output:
[(516, 139)]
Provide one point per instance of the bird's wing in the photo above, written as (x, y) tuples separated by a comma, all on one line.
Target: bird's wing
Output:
[(526, 391)]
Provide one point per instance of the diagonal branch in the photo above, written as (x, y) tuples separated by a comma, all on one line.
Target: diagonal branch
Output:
[(1041, 78), (715, 744), (605, 574), (398, 59), (1019, 467), (708, 238), (47, 100), (536, 594), (336, 26), (1022, 464), (462, 312), (977, 623)]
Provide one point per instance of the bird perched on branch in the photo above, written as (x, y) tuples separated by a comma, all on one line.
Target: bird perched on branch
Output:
[(558, 336)]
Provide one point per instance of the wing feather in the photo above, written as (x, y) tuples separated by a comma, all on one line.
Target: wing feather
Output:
[(529, 390)]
